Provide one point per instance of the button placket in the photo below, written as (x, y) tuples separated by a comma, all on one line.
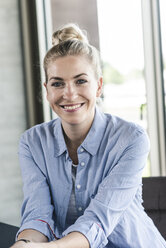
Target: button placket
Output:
[(82, 164), (83, 158), (82, 150), (78, 186)]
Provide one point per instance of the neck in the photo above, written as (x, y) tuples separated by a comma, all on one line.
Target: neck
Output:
[(75, 134)]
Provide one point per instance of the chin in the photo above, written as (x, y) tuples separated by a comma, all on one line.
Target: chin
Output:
[(73, 121)]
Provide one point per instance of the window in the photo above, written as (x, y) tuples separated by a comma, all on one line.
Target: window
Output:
[(121, 46), (130, 42)]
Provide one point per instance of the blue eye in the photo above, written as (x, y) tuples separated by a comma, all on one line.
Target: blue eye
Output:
[(81, 81), (57, 84)]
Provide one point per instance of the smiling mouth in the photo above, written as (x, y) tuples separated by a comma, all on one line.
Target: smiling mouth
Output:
[(72, 107)]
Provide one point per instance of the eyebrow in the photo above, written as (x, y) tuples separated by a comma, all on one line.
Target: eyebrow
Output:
[(81, 74), (61, 79)]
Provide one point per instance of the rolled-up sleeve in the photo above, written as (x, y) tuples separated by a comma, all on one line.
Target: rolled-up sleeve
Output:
[(115, 193), (37, 209)]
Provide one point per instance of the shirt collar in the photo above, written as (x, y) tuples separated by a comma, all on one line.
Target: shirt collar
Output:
[(96, 132), (92, 140), (60, 145)]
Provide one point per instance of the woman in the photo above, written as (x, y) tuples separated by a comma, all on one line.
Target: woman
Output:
[(82, 171)]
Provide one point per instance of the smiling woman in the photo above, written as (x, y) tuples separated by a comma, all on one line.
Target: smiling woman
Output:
[(72, 89), (82, 172)]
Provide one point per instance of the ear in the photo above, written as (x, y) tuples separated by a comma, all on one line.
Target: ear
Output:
[(45, 85), (99, 88)]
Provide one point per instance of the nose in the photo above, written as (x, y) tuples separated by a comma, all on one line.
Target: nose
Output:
[(70, 92)]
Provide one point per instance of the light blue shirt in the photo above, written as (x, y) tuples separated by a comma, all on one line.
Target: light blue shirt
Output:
[(108, 186)]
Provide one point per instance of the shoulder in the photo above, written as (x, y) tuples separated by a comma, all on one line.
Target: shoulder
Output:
[(41, 131), (124, 131)]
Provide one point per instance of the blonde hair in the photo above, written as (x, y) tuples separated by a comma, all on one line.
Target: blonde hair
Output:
[(71, 40), (69, 31)]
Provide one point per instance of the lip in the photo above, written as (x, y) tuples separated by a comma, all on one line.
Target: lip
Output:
[(71, 107)]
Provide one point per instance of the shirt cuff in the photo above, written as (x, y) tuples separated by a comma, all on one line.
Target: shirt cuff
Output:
[(39, 225), (93, 232)]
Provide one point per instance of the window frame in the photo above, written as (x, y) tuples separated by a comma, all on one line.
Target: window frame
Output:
[(154, 85)]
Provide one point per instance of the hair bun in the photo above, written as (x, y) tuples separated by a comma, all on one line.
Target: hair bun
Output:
[(70, 31)]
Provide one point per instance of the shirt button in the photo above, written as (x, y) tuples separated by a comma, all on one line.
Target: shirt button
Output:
[(81, 150), (78, 186), (80, 209), (82, 163)]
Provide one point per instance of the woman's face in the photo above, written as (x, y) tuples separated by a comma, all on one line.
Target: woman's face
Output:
[(72, 89)]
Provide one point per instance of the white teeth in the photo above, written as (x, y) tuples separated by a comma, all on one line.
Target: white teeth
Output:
[(72, 107)]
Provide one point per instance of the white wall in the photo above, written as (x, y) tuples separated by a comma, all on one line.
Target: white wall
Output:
[(12, 112)]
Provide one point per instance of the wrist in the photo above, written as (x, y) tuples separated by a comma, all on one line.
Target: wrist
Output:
[(23, 240)]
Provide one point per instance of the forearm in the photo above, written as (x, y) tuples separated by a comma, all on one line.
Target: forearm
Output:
[(72, 240), (32, 235), (38, 240)]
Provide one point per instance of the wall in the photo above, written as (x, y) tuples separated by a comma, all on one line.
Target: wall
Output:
[(12, 111), (82, 12)]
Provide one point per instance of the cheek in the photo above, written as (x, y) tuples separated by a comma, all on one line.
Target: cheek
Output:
[(94, 91), (51, 95), (91, 95), (50, 99)]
